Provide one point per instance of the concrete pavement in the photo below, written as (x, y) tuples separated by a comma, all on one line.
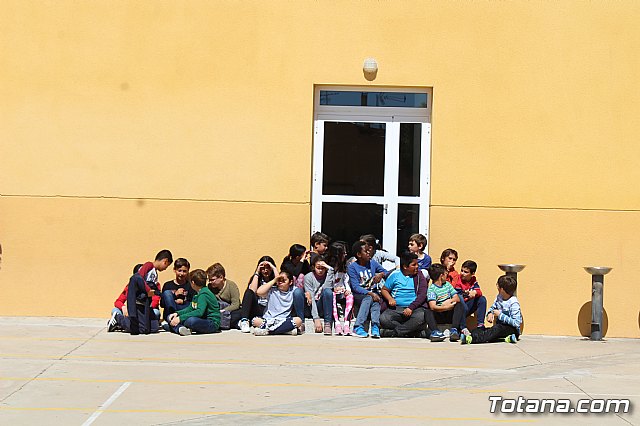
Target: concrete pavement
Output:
[(71, 371)]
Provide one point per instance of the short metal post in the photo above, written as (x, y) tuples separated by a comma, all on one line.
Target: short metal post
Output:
[(597, 298), (512, 270)]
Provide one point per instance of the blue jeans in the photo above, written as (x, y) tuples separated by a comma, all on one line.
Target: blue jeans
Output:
[(477, 305), (156, 312), (170, 305), (299, 302), (367, 305), (197, 325), (325, 305)]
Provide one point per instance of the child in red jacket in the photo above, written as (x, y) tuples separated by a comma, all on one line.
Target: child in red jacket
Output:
[(470, 294)]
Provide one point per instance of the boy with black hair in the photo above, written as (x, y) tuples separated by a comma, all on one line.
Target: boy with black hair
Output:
[(202, 316), (470, 294), (364, 278), (405, 291), (504, 313), (319, 243), (177, 293), (444, 305)]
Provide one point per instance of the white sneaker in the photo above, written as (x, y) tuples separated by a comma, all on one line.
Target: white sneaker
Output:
[(260, 331), (446, 333), (184, 331), (293, 332), (244, 326)]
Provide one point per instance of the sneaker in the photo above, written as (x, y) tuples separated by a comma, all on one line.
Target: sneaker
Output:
[(359, 332), (346, 331), (338, 328), (244, 326), (446, 334), (293, 332), (375, 332), (466, 339), (481, 325), (327, 329), (436, 336), (454, 336), (184, 331), (511, 339), (466, 332), (112, 324), (257, 331), (165, 326)]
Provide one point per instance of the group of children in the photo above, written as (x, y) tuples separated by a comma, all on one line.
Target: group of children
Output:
[(326, 285)]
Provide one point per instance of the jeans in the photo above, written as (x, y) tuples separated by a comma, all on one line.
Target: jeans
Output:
[(493, 334), (197, 325), (324, 305), (453, 317), (477, 305), (367, 305), (170, 305), (299, 302)]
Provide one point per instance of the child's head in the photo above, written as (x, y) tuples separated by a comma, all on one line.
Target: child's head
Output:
[(437, 273), (318, 266), (408, 263), (417, 243), (181, 267), (198, 279), (371, 240), (284, 281), (216, 275), (337, 255), (137, 268), (468, 270), (265, 271), (163, 259), (296, 252), (359, 250), (319, 242), (448, 258), (507, 286)]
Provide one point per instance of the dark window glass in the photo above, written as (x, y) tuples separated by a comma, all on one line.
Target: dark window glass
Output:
[(409, 167), (373, 99), (408, 221), (347, 221), (353, 158)]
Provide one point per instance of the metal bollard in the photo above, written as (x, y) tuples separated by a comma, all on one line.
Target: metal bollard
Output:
[(512, 270), (597, 300)]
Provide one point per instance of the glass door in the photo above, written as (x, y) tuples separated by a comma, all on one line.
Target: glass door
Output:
[(371, 176)]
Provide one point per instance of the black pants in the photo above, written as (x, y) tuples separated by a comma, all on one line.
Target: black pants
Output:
[(492, 334), (139, 307), (250, 306), (393, 319), (453, 317)]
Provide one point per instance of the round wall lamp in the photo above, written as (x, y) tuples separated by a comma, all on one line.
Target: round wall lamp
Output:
[(370, 69)]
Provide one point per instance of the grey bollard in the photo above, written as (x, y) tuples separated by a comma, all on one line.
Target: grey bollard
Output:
[(512, 270), (597, 298)]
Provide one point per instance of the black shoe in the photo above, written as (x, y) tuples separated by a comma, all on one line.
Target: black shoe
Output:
[(385, 332)]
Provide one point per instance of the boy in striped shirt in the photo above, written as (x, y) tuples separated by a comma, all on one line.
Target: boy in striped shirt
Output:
[(444, 305)]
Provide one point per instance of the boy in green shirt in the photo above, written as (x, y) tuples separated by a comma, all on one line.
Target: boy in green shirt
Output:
[(444, 305), (203, 316)]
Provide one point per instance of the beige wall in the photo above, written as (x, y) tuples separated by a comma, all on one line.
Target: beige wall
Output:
[(204, 111)]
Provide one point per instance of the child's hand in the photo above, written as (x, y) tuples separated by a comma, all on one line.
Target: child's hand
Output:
[(125, 312), (490, 317), (175, 320), (407, 312), (392, 302), (375, 297), (377, 277), (307, 296), (472, 294), (496, 313)]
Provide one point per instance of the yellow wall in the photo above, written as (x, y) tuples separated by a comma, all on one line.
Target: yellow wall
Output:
[(204, 111)]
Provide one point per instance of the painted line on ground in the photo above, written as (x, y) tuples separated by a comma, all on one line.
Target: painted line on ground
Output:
[(106, 404), (254, 384), (572, 393), (267, 414)]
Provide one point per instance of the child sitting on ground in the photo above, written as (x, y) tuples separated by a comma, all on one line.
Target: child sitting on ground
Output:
[(470, 294), (296, 264), (444, 305), (504, 313), (417, 244), (203, 316), (120, 306), (228, 296), (378, 254), (339, 280), (318, 294), (177, 293), (277, 317)]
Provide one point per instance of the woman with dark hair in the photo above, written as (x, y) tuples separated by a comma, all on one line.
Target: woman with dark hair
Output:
[(252, 305)]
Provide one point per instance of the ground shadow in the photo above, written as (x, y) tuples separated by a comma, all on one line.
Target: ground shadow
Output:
[(584, 320)]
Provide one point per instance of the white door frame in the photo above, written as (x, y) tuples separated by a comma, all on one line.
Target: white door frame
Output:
[(392, 117)]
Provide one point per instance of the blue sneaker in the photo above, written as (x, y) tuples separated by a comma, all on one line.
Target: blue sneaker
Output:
[(436, 336), (511, 339), (375, 332), (466, 339), (454, 336), (359, 332)]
